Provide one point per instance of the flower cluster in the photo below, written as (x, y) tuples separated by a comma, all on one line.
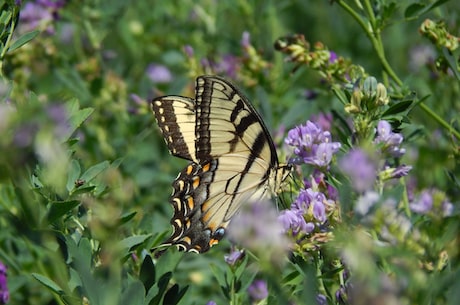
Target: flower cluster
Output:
[(229, 64), (366, 98), (312, 210), (312, 145), (258, 290), (360, 168), (40, 14), (438, 34), (256, 228), (364, 169), (389, 140), (309, 204), (327, 63), (432, 202)]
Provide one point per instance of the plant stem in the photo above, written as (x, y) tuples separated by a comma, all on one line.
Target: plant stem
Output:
[(373, 33)]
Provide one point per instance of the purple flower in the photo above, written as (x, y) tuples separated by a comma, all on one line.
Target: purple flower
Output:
[(4, 293), (188, 50), (51, 4), (311, 202), (447, 208), (246, 40), (40, 13), (321, 299), (401, 171), (312, 145), (211, 303), (332, 57), (433, 202), (323, 120), (234, 257), (341, 295), (360, 168), (158, 73), (33, 15), (293, 220), (389, 139), (257, 228), (137, 103), (228, 65), (258, 290), (423, 204), (323, 155)]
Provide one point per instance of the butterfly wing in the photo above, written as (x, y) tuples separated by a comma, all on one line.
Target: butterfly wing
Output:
[(233, 159), (175, 116)]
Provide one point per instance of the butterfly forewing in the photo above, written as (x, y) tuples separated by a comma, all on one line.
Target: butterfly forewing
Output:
[(176, 117), (233, 159)]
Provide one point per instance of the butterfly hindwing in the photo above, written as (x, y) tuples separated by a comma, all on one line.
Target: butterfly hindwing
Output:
[(190, 190)]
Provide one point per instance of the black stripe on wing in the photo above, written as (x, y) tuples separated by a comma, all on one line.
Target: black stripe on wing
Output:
[(176, 118), (191, 189), (214, 92)]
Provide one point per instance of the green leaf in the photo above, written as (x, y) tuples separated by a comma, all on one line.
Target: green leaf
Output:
[(60, 208), (173, 295), (5, 17), (219, 275), (452, 62), (50, 284), (418, 9), (134, 294), (162, 284), (74, 82), (94, 170), (76, 117), (83, 190), (151, 294), (413, 10), (132, 241), (23, 40), (147, 273), (73, 175), (127, 217), (398, 108)]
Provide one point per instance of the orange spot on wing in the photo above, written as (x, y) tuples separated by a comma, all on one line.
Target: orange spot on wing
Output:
[(191, 203), (206, 167), (189, 169), (213, 242), (187, 240), (196, 182)]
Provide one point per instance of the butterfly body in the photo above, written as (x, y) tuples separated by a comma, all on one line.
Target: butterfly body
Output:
[(233, 160)]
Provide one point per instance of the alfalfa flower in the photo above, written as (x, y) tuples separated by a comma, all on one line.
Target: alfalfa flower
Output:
[(360, 168), (312, 145), (389, 140), (258, 290)]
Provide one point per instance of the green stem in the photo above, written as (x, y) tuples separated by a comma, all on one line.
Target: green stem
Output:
[(8, 39), (440, 120), (373, 33)]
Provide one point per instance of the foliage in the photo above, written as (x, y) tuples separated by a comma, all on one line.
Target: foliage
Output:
[(372, 209)]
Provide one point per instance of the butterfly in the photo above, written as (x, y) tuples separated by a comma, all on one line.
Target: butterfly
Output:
[(233, 160)]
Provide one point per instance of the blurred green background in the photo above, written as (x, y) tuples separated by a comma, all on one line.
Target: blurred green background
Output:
[(102, 53)]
